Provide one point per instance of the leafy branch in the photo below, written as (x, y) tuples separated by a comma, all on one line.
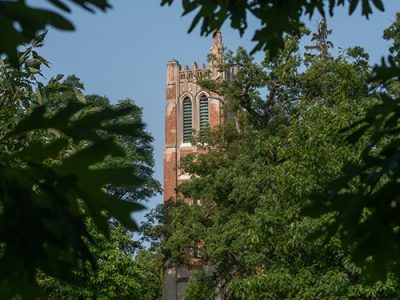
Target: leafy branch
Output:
[(20, 23), (54, 193)]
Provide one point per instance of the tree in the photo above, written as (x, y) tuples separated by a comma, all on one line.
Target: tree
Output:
[(250, 237), (61, 165), (322, 44), (123, 271), (366, 213), (138, 149)]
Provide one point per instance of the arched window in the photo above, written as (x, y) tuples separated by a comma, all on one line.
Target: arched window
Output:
[(187, 120), (204, 121)]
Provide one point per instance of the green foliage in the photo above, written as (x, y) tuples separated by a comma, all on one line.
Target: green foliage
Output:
[(150, 265), (17, 87), (43, 202), (69, 166), (21, 23), (119, 274), (277, 18), (201, 286), (364, 199)]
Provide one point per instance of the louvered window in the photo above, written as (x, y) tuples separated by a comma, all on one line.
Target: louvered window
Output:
[(187, 120), (204, 122)]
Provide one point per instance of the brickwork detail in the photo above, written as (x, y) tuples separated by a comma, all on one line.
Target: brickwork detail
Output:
[(171, 91)]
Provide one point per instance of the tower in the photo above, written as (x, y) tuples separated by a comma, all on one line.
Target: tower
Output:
[(188, 109)]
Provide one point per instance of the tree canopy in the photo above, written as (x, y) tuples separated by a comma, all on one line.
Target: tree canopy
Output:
[(264, 167)]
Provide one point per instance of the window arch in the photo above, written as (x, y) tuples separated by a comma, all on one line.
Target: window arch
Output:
[(187, 120), (203, 113)]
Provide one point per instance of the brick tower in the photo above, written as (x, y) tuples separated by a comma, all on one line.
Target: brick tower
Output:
[(188, 108)]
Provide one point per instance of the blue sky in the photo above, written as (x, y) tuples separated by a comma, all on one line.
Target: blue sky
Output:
[(123, 53)]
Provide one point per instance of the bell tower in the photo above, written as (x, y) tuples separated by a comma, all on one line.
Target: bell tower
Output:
[(189, 109)]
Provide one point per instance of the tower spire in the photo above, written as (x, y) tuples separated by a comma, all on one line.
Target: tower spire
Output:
[(216, 53), (217, 46)]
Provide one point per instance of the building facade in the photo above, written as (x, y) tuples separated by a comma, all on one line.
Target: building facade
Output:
[(188, 109)]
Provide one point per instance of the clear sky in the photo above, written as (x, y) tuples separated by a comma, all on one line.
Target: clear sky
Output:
[(123, 53)]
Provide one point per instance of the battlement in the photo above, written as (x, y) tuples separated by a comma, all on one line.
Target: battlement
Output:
[(177, 73), (192, 74)]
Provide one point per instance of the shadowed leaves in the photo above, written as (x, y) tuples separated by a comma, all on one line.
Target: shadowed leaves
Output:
[(277, 17), (58, 185), (20, 23)]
